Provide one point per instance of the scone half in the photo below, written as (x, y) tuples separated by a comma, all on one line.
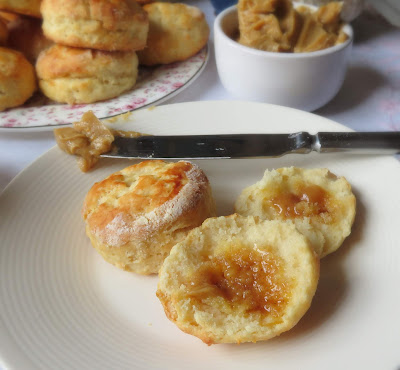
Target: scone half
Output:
[(321, 204), (239, 279), (135, 216)]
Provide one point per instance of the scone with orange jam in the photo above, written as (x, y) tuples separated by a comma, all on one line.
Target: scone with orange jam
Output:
[(135, 216), (239, 279), (321, 205)]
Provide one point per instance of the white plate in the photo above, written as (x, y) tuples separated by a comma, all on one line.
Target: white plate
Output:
[(154, 86), (62, 306)]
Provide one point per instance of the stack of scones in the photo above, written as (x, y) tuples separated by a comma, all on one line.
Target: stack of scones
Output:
[(94, 56), (87, 51)]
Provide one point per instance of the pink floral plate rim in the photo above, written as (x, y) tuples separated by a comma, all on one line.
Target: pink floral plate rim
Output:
[(154, 86)]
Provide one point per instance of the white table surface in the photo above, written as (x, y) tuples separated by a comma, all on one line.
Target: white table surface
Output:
[(368, 101)]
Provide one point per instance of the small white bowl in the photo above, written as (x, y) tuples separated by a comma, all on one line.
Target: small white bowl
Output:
[(304, 81)]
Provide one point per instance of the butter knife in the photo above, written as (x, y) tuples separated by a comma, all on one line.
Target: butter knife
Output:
[(253, 145)]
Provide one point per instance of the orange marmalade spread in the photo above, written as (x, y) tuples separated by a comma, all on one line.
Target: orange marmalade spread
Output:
[(251, 278), (275, 25), (303, 201)]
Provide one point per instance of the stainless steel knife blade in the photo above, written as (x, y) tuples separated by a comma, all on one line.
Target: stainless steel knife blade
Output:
[(252, 145)]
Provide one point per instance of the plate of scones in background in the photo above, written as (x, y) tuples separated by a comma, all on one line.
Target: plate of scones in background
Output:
[(263, 263), (59, 59)]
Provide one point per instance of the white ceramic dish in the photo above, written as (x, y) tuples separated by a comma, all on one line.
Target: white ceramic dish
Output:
[(63, 307), (305, 81), (155, 85)]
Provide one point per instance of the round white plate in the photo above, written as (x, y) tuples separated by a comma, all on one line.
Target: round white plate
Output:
[(154, 86), (63, 307)]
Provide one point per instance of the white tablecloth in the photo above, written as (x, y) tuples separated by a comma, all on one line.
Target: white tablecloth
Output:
[(368, 101)]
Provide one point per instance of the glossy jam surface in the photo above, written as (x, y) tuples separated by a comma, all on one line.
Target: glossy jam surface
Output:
[(302, 201), (248, 277)]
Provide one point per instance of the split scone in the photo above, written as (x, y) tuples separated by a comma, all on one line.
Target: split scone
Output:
[(17, 79), (239, 279), (321, 205), (81, 76), (176, 32), (135, 216), (117, 25)]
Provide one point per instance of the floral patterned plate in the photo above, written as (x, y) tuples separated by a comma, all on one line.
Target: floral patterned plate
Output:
[(154, 85)]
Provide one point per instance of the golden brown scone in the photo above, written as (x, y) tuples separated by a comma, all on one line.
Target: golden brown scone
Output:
[(26, 7), (239, 279), (98, 24), (75, 76), (17, 79), (3, 33), (176, 32), (26, 36), (321, 205), (135, 216)]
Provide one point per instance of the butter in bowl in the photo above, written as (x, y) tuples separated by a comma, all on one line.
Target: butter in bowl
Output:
[(275, 52)]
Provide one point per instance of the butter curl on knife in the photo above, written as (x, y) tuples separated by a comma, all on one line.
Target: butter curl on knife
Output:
[(88, 139)]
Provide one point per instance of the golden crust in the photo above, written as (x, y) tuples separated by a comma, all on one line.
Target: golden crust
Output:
[(73, 75), (239, 279), (26, 36), (136, 215), (321, 205), (176, 32), (17, 79), (26, 7), (97, 24)]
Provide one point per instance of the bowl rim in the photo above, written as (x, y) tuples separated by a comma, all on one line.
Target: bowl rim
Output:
[(347, 28)]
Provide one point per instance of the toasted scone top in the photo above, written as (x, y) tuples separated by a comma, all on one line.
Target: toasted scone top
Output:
[(142, 199)]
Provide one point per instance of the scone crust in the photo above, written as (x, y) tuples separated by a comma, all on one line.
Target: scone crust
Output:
[(17, 79), (206, 311), (74, 76), (176, 32), (26, 7), (99, 24), (136, 215), (327, 229)]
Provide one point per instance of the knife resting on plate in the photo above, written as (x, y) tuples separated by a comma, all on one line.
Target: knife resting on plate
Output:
[(253, 145)]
